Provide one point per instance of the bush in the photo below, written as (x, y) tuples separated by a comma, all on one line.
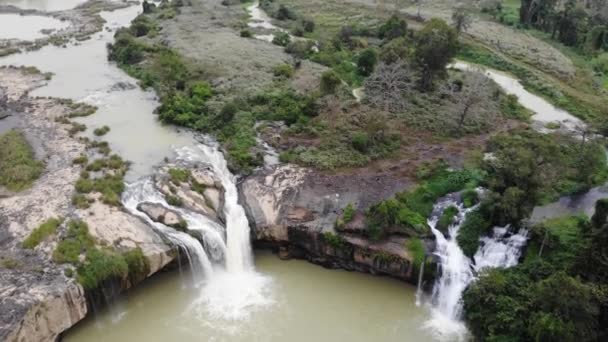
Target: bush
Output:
[(416, 248), (334, 240), (469, 198), (99, 266), (308, 24), (80, 201), (284, 13), (349, 213), (474, 226), (446, 219), (138, 265), (360, 141), (18, 165), (101, 131), (366, 62), (46, 229), (283, 70), (174, 200), (600, 63), (245, 33), (330, 81), (281, 39), (393, 28)]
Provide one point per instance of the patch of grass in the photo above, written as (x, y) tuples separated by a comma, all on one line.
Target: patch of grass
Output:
[(75, 242), (174, 200), (178, 176), (81, 201), (510, 108), (81, 160), (18, 165), (100, 265), (46, 229), (9, 263)]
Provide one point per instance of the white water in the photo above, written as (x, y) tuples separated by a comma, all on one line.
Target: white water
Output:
[(457, 270), (235, 290), (144, 191), (501, 249)]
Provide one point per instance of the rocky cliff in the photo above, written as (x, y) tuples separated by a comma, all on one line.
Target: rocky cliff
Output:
[(294, 211)]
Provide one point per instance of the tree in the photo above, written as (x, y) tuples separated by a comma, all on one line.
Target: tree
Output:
[(395, 27), (389, 85), (366, 62), (464, 100), (437, 45), (399, 49), (461, 20)]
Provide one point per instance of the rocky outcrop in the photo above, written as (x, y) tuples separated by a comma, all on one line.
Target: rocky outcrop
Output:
[(294, 211), (38, 299), (195, 187), (158, 213)]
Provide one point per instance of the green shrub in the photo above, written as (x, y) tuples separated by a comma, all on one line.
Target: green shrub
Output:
[(330, 81), (334, 240), (349, 213), (174, 200), (245, 33), (393, 28), (360, 141), (81, 160), (283, 70), (366, 62), (46, 229), (469, 198), (281, 39), (138, 265), (446, 219), (101, 131), (600, 63), (416, 249), (474, 226), (99, 266), (512, 109), (18, 165)]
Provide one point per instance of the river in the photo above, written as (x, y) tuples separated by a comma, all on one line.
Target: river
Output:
[(276, 300), (291, 299)]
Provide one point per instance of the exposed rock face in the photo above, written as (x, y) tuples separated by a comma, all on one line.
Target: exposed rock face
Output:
[(201, 192), (158, 213), (294, 210), (37, 300)]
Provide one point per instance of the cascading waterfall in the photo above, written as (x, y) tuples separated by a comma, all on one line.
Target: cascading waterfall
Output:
[(144, 191), (457, 270), (230, 287)]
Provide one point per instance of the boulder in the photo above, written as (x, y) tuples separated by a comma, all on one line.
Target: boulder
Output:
[(158, 213)]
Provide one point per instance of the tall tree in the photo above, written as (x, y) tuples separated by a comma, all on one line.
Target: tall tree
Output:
[(437, 45)]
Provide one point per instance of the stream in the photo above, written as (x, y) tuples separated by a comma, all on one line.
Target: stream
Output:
[(229, 293)]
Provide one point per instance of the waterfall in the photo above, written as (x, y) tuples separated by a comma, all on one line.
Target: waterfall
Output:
[(457, 271), (501, 249), (144, 191), (236, 289)]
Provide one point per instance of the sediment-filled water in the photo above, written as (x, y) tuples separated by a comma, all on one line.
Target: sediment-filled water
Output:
[(310, 303)]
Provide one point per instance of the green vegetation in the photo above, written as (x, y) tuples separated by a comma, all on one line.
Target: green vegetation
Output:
[(446, 218), (349, 213), (474, 226), (101, 131), (334, 240), (408, 211), (41, 233), (109, 183), (178, 176), (416, 248), (98, 265), (18, 165), (522, 170), (469, 198), (9, 263), (560, 287), (283, 70), (174, 200)]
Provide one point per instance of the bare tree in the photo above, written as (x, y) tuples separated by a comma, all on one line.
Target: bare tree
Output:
[(389, 86), (464, 98), (461, 20), (418, 5)]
